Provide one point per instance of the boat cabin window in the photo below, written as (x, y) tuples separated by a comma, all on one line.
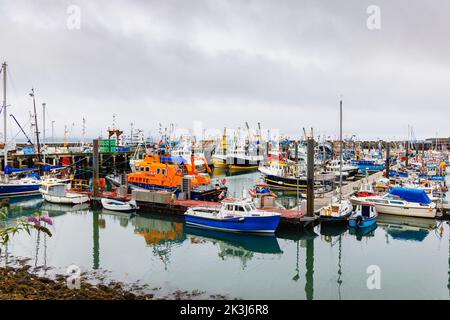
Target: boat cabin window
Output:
[(248, 207), (240, 208), (137, 168), (158, 171), (163, 171), (142, 168), (365, 211), (147, 169), (229, 207)]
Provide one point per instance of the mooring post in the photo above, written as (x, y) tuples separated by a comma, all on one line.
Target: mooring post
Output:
[(95, 167), (297, 174), (310, 178), (388, 147)]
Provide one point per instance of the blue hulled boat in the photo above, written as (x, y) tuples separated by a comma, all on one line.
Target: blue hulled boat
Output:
[(234, 216), (20, 187), (364, 216)]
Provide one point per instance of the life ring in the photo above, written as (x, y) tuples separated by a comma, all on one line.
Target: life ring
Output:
[(179, 172)]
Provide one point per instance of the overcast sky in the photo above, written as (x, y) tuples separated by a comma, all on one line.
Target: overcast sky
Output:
[(282, 63)]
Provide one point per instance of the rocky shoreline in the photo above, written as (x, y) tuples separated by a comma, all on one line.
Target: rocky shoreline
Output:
[(20, 281), (21, 284)]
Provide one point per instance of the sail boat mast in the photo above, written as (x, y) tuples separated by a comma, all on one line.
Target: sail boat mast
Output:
[(340, 151), (36, 124), (5, 148)]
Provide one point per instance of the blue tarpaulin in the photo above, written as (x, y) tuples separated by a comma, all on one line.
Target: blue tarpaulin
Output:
[(411, 195), (9, 170), (173, 159), (48, 168)]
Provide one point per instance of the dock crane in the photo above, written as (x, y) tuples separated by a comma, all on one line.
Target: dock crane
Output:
[(23, 131)]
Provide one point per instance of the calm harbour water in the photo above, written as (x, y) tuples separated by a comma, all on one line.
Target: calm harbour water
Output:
[(413, 255)]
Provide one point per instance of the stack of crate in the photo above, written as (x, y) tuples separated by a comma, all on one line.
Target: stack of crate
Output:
[(108, 145)]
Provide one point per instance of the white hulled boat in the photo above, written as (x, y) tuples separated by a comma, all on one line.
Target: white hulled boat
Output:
[(405, 202), (55, 192)]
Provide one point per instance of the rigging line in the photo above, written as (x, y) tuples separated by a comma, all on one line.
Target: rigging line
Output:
[(13, 85)]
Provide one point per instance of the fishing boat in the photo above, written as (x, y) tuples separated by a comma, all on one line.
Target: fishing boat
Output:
[(234, 216), (337, 212), (364, 216), (173, 174), (219, 158), (56, 192), (405, 202), (368, 166), (243, 161), (348, 170), (287, 176), (122, 206)]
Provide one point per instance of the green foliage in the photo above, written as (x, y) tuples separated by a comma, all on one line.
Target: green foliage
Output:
[(21, 225)]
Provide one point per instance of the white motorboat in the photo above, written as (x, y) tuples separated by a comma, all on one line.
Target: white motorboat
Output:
[(405, 202), (56, 192), (348, 170), (122, 206)]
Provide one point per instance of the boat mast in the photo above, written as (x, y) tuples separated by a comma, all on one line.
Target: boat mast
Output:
[(340, 151), (5, 148), (36, 124)]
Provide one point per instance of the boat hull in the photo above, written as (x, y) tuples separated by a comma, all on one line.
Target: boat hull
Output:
[(12, 190), (66, 200), (119, 206), (266, 224), (406, 211), (213, 194), (334, 220), (365, 223)]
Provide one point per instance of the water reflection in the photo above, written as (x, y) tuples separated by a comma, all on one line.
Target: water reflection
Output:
[(406, 228), (329, 230), (235, 245), (241, 258), (160, 235), (360, 233)]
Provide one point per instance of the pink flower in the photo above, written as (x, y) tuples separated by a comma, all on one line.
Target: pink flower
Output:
[(33, 219), (47, 219)]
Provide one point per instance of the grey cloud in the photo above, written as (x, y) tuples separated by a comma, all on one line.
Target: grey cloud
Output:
[(283, 63)]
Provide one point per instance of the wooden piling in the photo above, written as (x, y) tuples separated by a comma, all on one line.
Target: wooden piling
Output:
[(388, 167), (310, 179), (95, 165)]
